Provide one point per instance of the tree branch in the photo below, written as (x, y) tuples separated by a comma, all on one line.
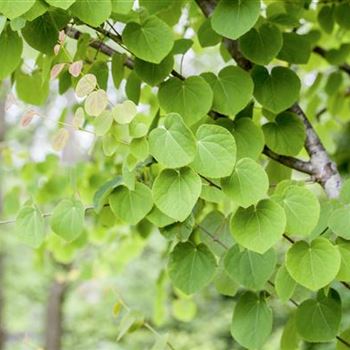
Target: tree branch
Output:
[(291, 162), (232, 46), (99, 45), (323, 168)]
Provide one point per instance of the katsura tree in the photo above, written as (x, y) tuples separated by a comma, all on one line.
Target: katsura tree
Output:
[(217, 126)]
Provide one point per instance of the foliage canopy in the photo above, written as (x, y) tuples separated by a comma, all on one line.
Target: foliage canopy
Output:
[(202, 160)]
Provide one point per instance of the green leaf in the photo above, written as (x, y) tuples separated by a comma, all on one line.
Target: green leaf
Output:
[(247, 184), (276, 91), (30, 88), (30, 226), (191, 98), (296, 48), (133, 87), (345, 335), (251, 321), (315, 264), (91, 12), (277, 172), (250, 269), (319, 320), (207, 36), (67, 219), (344, 250), (224, 284), (262, 44), (131, 205), (179, 230), (152, 73), (216, 225), (212, 194), (100, 196), (63, 4), (339, 222), (175, 192), (159, 219), (103, 123), (10, 52), (139, 148), (259, 227), (334, 83), (326, 18), (161, 342), (286, 134), (117, 69), (122, 6), (12, 9), (326, 208), (284, 284), (184, 309), (151, 41), (302, 210), (290, 339), (100, 70), (38, 9), (17, 23), (216, 151), (156, 6), (233, 89), (172, 144), (191, 267), (233, 18), (42, 33), (249, 138), (342, 14), (181, 46), (131, 319)]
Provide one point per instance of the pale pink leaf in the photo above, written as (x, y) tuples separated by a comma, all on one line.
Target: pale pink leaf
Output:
[(78, 119), (56, 70), (75, 68), (60, 139), (56, 49), (61, 36), (27, 118), (86, 85), (96, 103)]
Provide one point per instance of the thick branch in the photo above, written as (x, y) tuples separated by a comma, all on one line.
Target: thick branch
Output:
[(291, 162), (324, 170)]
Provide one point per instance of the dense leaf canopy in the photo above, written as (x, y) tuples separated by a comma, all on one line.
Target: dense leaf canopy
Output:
[(209, 126)]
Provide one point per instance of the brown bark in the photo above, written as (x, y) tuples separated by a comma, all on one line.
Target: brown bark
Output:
[(54, 316)]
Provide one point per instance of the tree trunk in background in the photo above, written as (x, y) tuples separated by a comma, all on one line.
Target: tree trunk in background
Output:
[(2, 254), (54, 316), (58, 290)]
